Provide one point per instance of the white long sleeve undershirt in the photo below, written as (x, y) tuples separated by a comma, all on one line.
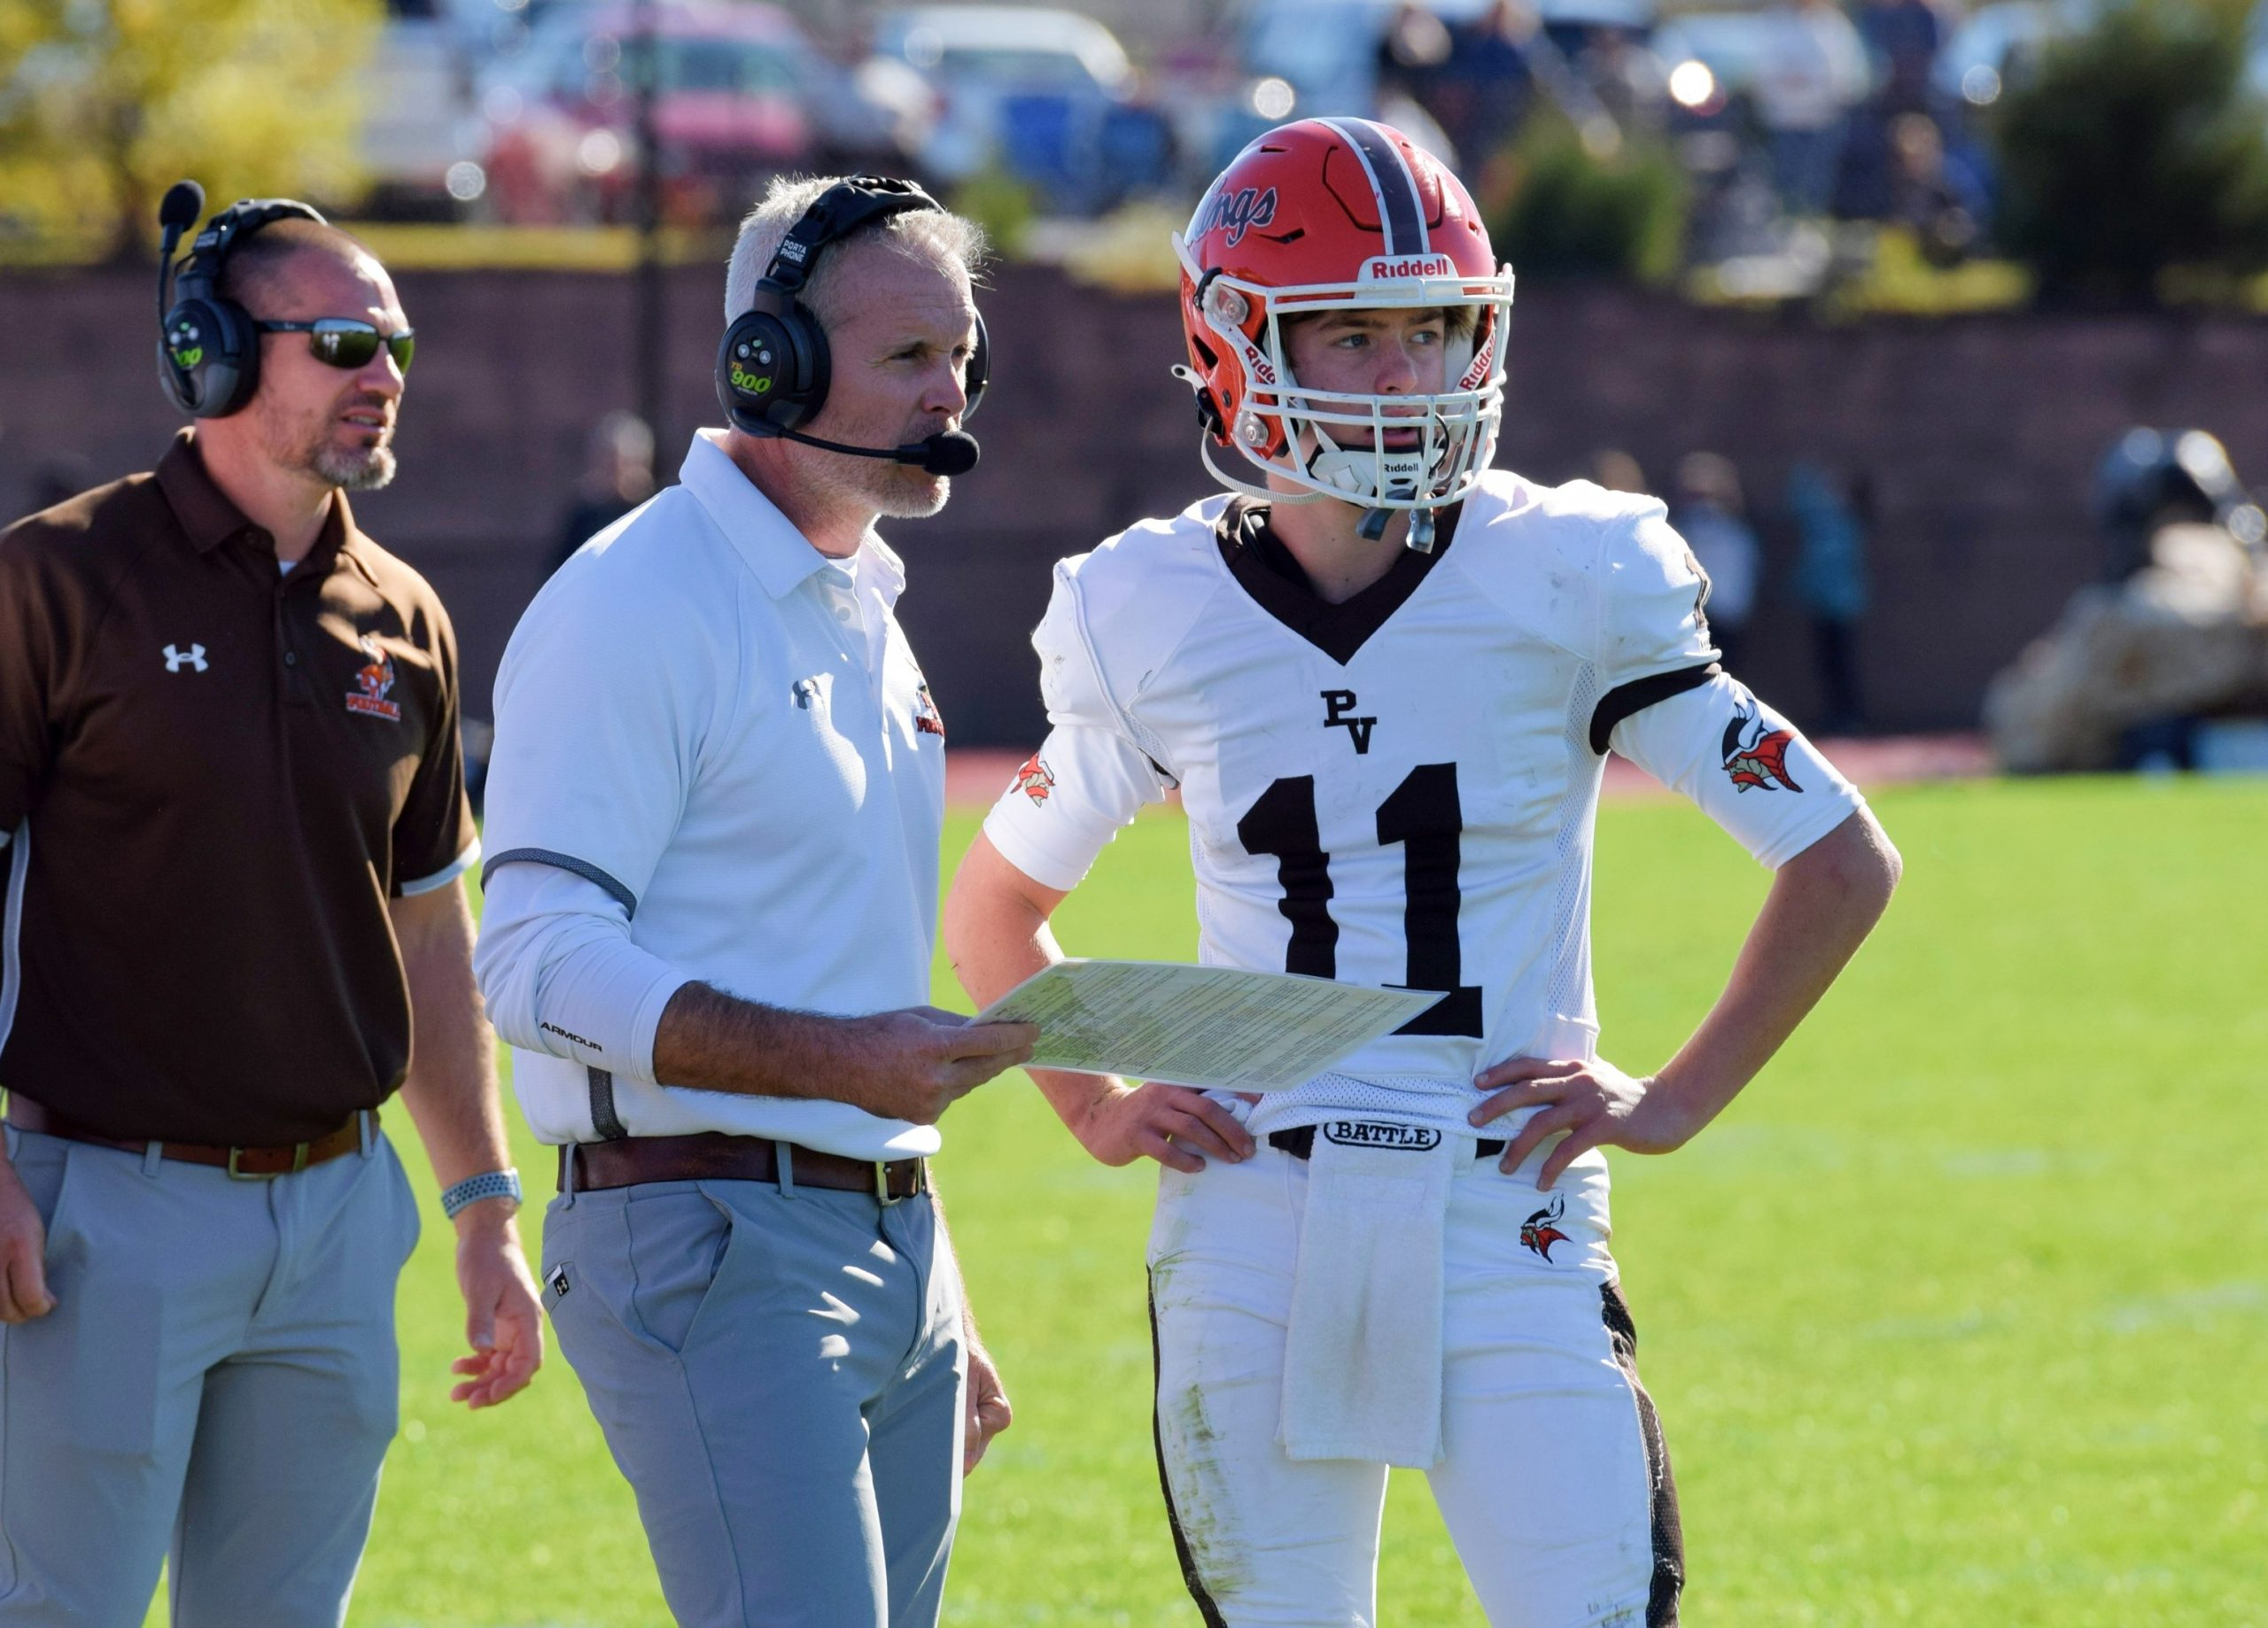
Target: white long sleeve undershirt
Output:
[(561, 973)]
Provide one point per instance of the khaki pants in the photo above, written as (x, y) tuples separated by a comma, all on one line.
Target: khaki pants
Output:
[(779, 1374), (217, 1384)]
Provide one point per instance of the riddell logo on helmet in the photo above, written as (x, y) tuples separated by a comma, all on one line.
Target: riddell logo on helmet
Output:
[(1409, 266)]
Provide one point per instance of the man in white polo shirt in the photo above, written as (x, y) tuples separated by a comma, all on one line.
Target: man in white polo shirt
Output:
[(714, 814)]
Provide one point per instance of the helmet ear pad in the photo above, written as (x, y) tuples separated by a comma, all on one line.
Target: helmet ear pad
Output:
[(773, 367), (208, 357)]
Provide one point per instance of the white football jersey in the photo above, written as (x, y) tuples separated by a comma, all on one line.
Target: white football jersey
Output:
[(1399, 790)]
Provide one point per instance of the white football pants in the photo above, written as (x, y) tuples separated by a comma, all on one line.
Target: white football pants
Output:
[(1554, 1484)]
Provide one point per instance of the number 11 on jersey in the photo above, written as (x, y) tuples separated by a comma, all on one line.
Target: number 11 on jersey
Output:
[(1423, 816)]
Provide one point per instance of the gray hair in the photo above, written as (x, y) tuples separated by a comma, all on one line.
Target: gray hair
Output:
[(939, 237)]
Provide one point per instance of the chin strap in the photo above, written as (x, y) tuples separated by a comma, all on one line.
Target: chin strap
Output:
[(1420, 539)]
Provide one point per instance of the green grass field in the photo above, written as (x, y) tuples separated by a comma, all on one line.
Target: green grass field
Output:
[(1957, 1317)]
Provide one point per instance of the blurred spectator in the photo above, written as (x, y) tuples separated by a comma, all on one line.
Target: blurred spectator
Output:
[(1617, 470), (617, 475), (1831, 583), (1412, 53), (1481, 94), (1713, 519), (1631, 82), (2151, 478), (1811, 72), (1938, 202), (1903, 37)]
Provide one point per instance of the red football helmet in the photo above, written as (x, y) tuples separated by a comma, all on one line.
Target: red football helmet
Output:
[(1331, 213)]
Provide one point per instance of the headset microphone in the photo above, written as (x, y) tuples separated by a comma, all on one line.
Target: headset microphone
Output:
[(184, 202), (948, 453)]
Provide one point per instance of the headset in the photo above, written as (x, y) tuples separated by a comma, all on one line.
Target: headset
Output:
[(772, 365), (208, 349)]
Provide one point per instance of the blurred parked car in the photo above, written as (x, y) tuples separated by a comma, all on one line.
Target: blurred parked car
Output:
[(740, 96), (1046, 95), (420, 119)]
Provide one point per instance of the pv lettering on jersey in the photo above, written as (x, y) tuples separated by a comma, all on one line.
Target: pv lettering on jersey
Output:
[(1382, 1134), (1337, 707)]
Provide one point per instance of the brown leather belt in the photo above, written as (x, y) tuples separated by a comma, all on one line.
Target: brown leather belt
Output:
[(257, 1164), (713, 1155)]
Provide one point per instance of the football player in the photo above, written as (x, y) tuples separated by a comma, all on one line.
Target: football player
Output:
[(1384, 678)]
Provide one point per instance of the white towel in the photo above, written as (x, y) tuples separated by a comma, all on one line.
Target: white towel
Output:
[(1362, 1355)]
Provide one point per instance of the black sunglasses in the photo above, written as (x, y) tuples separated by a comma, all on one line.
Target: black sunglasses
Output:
[(348, 342)]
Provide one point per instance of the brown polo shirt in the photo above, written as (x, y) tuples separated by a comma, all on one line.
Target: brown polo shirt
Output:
[(213, 776)]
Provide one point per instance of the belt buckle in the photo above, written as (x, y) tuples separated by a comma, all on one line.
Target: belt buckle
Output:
[(881, 1181), (299, 1163)]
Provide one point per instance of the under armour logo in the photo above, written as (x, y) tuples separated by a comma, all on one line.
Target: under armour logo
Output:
[(192, 658), (1337, 705), (805, 691)]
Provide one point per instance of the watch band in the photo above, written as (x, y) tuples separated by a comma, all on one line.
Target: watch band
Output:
[(473, 1189)]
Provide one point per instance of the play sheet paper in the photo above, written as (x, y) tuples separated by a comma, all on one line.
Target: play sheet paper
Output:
[(1215, 1028)]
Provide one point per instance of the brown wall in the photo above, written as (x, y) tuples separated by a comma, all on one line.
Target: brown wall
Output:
[(1980, 433)]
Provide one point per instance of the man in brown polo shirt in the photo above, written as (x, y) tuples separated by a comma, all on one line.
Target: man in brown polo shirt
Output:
[(235, 829)]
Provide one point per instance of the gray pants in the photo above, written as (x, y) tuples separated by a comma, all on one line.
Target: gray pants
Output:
[(218, 1373), (779, 1372)]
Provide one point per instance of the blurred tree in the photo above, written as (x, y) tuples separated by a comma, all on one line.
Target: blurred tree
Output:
[(1589, 203), (104, 104), (999, 203), (2135, 147)]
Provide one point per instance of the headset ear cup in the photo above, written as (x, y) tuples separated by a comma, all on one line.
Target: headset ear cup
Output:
[(208, 357), (771, 370), (752, 362), (188, 341), (977, 373), (815, 368), (232, 377)]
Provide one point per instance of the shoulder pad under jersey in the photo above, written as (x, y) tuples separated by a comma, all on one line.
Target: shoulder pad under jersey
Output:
[(1538, 552), (1118, 612), (1651, 596)]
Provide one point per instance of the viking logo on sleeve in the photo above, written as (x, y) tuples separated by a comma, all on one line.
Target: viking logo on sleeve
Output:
[(1034, 779), (372, 680), (1756, 754), (1541, 1231), (927, 720)]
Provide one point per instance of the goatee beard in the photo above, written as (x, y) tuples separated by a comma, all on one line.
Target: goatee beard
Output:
[(360, 468)]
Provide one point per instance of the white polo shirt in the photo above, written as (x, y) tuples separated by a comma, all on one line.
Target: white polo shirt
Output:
[(715, 760)]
